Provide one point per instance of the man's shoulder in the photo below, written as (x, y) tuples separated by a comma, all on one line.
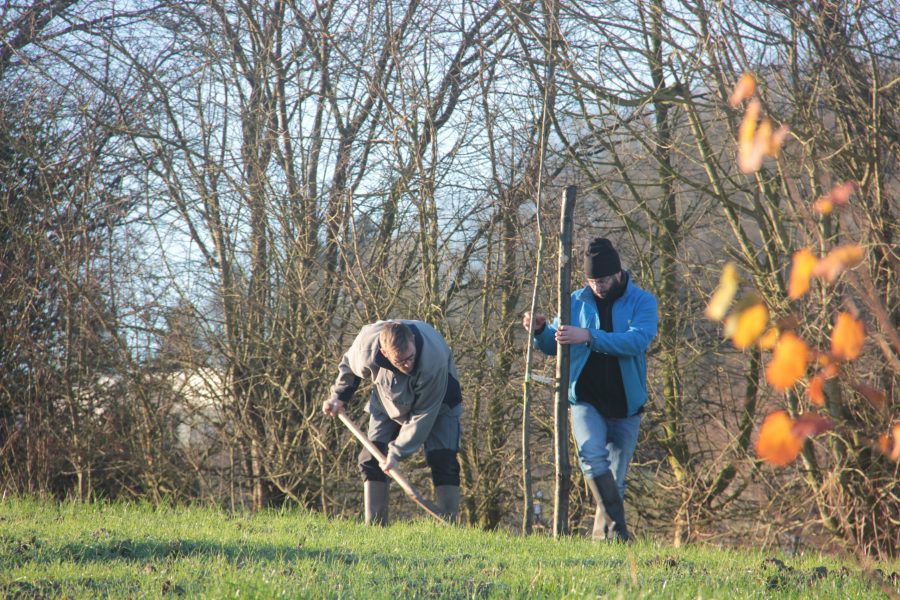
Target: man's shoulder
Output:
[(632, 288), (365, 346), (638, 298), (370, 331), (582, 294), (427, 331)]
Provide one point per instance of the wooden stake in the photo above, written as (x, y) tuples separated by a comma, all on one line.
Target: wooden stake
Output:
[(561, 408)]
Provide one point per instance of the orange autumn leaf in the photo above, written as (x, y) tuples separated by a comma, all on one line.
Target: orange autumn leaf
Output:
[(839, 195), (837, 261), (743, 89), (847, 337), (768, 340), (890, 446), (831, 369), (823, 205), (777, 443), (816, 390), (802, 265), (724, 294), (747, 324), (876, 397), (811, 424), (789, 361)]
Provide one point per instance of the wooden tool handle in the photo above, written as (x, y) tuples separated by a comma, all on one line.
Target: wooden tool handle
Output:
[(394, 473)]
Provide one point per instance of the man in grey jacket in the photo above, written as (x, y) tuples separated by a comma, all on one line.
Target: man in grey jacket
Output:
[(416, 401)]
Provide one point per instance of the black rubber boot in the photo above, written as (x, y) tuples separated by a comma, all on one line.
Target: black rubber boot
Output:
[(609, 520), (375, 494), (447, 497), (601, 519)]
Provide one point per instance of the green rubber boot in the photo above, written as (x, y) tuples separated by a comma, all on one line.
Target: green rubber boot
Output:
[(375, 494)]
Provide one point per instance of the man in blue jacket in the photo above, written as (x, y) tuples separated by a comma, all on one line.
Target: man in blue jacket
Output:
[(613, 323)]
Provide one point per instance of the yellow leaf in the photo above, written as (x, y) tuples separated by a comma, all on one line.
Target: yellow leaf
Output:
[(724, 294), (802, 265), (743, 89), (750, 154), (847, 337), (789, 362), (750, 323), (777, 443), (758, 138), (823, 205)]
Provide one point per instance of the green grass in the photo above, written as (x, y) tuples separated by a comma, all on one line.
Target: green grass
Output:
[(134, 551)]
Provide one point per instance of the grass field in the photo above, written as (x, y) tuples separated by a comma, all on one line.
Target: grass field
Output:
[(139, 551)]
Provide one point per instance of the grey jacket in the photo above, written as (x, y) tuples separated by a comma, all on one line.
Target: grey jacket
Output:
[(414, 401)]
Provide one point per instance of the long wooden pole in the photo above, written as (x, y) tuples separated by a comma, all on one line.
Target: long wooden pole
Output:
[(551, 18), (561, 408), (394, 473)]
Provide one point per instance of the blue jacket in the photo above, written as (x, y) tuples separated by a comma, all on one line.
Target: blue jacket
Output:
[(634, 317)]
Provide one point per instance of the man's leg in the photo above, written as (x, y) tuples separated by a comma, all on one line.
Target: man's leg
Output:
[(376, 485), (622, 437), (376, 496), (609, 487), (441, 449), (590, 432)]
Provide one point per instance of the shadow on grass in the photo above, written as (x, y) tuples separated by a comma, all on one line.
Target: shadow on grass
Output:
[(149, 550), (146, 559), (149, 554)]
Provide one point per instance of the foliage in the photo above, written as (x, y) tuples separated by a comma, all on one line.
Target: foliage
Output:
[(782, 435)]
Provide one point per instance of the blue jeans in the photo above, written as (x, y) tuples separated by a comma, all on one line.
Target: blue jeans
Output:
[(604, 444)]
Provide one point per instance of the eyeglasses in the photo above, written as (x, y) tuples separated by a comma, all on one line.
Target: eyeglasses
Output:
[(603, 281), (404, 361)]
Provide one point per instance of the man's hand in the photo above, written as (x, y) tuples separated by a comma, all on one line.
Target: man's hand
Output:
[(533, 324), (388, 463), (332, 407), (566, 334)]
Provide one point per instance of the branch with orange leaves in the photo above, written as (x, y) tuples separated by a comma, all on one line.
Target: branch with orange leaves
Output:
[(749, 323)]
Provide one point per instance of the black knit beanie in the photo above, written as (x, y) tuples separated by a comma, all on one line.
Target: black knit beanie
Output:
[(600, 259)]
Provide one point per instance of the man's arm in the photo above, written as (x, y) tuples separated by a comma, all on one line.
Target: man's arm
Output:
[(351, 370), (347, 381), (545, 340)]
